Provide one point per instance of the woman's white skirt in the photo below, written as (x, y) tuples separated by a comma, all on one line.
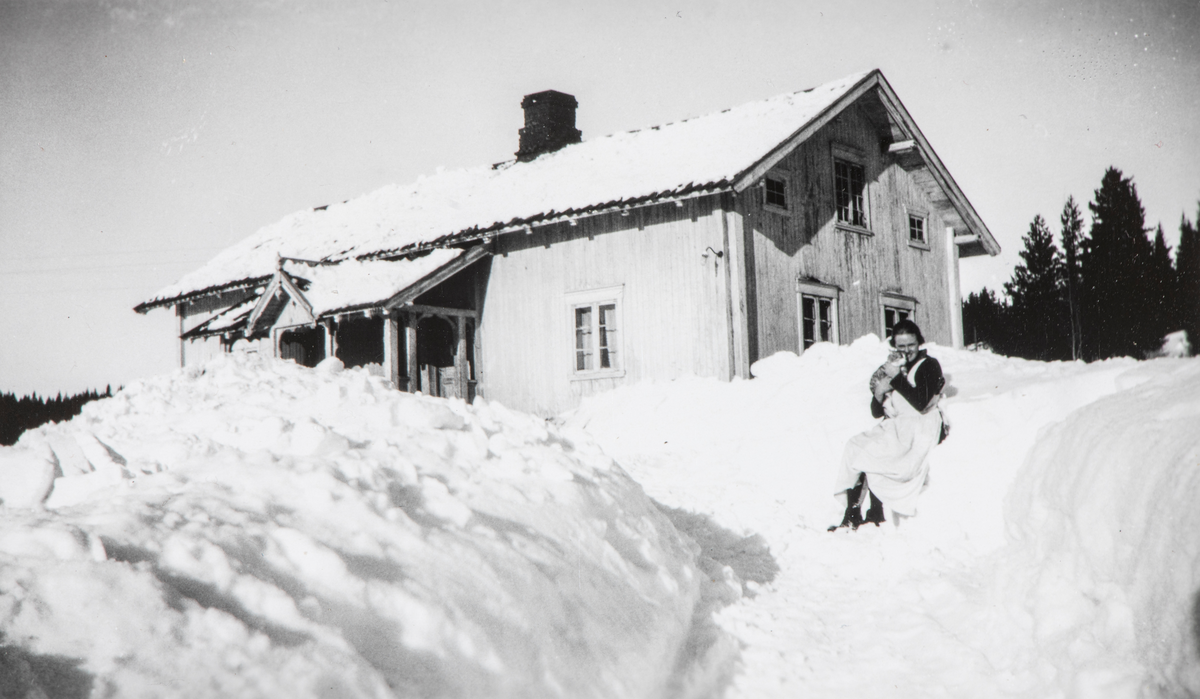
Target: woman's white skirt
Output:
[(895, 456)]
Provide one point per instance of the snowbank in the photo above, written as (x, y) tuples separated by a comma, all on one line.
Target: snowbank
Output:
[(255, 528), (1107, 539), (1054, 553)]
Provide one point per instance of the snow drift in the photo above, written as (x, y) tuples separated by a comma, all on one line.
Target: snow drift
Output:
[(1107, 539), (254, 528)]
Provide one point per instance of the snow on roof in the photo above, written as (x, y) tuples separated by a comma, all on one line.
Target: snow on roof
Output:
[(694, 154), (224, 319), (351, 283)]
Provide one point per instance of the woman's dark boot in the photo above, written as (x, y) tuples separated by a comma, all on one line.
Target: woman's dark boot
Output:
[(853, 517), (875, 512)]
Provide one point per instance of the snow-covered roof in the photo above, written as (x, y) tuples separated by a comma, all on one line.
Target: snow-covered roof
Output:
[(698, 154), (224, 320), (353, 284), (330, 289)]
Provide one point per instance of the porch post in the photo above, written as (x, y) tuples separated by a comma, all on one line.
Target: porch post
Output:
[(391, 349), (410, 340), (460, 357), (330, 339), (182, 342)]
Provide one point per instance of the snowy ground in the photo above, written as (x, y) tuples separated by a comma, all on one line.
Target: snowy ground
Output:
[(259, 529), (1055, 554)]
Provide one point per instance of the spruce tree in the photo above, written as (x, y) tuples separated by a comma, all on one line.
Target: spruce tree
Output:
[(1036, 290), (1114, 265), (1187, 280), (1072, 239), (1162, 300)]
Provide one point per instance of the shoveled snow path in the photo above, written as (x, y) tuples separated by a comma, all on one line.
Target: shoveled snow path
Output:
[(921, 610)]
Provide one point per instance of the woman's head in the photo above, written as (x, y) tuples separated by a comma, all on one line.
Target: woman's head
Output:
[(906, 338)]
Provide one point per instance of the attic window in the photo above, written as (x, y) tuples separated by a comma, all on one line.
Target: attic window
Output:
[(916, 228), (775, 188)]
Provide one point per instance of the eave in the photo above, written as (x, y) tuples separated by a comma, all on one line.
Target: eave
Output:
[(984, 242), (911, 150), (248, 282)]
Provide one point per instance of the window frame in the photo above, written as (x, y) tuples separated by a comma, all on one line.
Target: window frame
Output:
[(897, 302), (842, 153), (818, 290), (923, 216), (780, 176), (594, 299)]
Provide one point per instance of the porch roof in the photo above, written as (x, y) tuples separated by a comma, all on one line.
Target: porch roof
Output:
[(352, 285), (339, 288)]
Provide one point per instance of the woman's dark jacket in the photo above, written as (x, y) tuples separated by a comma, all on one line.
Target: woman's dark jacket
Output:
[(928, 383)]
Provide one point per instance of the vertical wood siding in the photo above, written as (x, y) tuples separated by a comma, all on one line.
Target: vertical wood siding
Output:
[(201, 350), (806, 242), (672, 316)]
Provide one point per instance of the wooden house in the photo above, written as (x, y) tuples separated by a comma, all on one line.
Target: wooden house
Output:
[(695, 247)]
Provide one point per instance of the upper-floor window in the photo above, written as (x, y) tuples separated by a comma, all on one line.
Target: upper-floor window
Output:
[(775, 191), (850, 192)]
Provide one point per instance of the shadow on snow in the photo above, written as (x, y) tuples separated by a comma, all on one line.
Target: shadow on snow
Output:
[(25, 674), (708, 659)]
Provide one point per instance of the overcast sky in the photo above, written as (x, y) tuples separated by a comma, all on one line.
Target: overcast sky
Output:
[(137, 139)]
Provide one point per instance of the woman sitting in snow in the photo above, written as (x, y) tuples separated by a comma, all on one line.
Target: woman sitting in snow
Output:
[(891, 460)]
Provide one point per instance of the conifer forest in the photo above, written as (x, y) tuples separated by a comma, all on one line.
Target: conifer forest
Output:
[(28, 412), (1114, 289)]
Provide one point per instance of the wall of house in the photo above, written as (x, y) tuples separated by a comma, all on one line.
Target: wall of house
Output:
[(201, 350), (260, 345), (192, 313), (808, 242), (673, 318)]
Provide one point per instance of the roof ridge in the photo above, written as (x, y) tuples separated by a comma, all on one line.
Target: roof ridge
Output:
[(847, 79)]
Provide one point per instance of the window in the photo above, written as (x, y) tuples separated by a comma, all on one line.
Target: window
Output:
[(596, 325), (818, 313), (891, 316), (596, 337), (775, 191), (916, 229), (850, 193), (896, 308)]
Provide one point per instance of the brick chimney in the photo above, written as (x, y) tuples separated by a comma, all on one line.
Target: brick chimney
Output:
[(549, 124)]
